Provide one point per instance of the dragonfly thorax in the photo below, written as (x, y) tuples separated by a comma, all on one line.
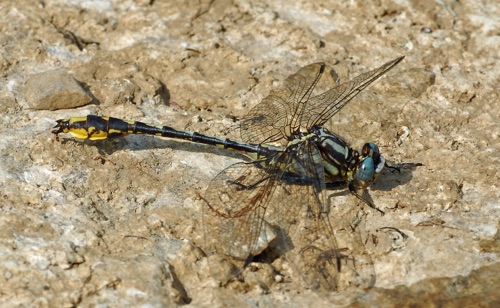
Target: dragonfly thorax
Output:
[(336, 154), (342, 163)]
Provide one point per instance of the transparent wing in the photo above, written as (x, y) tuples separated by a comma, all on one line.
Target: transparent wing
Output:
[(237, 198), (277, 116), (290, 107), (322, 107), (289, 193), (327, 255)]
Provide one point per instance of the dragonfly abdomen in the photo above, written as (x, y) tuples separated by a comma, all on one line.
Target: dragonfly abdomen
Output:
[(98, 128)]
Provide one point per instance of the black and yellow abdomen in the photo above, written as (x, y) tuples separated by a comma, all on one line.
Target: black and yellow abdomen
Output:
[(95, 127), (99, 127)]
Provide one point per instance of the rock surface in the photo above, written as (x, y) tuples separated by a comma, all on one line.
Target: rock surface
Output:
[(52, 90), (119, 222)]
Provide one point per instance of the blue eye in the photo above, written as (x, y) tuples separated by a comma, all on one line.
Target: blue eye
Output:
[(366, 170), (371, 150)]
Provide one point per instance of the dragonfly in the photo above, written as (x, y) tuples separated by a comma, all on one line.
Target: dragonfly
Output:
[(282, 189)]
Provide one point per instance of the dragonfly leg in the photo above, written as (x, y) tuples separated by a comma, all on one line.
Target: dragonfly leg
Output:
[(243, 186), (353, 191)]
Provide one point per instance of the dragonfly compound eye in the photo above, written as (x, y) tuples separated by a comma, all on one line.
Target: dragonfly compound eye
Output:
[(366, 170), (371, 149)]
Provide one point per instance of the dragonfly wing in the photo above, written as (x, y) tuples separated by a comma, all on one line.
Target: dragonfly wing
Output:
[(236, 199), (330, 254), (288, 192), (318, 240), (322, 107), (277, 116)]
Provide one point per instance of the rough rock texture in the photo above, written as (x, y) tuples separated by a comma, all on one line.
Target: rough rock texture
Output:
[(54, 90), (119, 222)]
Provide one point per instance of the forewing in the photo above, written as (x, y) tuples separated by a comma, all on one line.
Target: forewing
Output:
[(277, 116), (322, 107)]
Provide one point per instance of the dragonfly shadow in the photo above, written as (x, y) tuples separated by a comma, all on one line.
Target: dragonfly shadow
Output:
[(139, 143), (337, 189), (394, 176), (279, 247)]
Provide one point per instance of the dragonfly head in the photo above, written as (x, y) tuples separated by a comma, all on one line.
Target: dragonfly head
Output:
[(370, 164), (369, 167)]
